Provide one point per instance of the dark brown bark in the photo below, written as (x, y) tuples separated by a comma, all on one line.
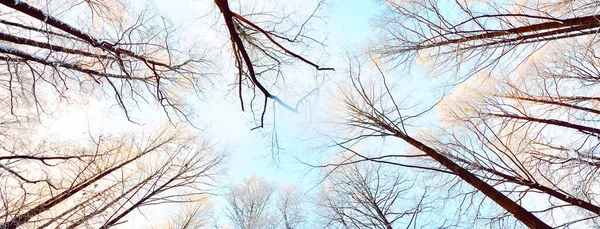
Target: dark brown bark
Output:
[(550, 191), (582, 128), (509, 205), (109, 205), (554, 102), (77, 207), (137, 205), (381, 215), (55, 22), (44, 45), (25, 217), (235, 22), (539, 31), (228, 17)]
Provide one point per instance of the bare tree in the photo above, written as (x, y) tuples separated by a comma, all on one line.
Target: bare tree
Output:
[(250, 204), (478, 34), (194, 215), (101, 185), (133, 59), (536, 131), (517, 141), (365, 195), (368, 112), (256, 203), (289, 205), (260, 52)]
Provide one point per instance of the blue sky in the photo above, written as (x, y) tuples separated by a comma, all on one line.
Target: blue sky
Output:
[(348, 28), (349, 25)]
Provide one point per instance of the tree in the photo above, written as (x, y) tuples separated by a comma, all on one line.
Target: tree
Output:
[(101, 185), (258, 204), (289, 205), (134, 59), (533, 135), (506, 149), (194, 215), (249, 204), (366, 114), (48, 61), (270, 54), (503, 145), (134, 56), (363, 195), (477, 35)]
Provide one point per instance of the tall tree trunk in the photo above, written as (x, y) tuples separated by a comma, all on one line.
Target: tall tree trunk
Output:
[(515, 209)]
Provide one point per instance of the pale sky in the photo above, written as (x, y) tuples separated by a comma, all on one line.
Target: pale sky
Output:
[(348, 28)]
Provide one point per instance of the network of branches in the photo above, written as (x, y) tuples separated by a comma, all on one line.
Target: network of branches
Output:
[(488, 110)]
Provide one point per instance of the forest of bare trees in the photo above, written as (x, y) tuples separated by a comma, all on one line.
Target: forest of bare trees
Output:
[(519, 122), (454, 114)]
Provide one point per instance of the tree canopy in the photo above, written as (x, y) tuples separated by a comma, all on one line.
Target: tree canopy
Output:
[(450, 114)]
